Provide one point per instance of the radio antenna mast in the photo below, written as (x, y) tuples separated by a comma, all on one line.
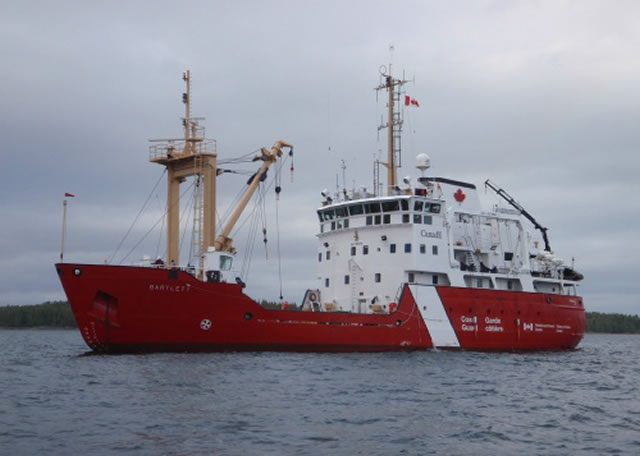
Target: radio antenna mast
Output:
[(393, 124)]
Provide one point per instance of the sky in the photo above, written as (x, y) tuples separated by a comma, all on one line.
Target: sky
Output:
[(542, 97)]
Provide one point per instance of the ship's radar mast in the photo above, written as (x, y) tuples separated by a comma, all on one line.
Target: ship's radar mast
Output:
[(393, 125)]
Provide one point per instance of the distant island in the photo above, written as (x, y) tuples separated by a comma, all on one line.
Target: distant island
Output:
[(50, 314), (57, 314)]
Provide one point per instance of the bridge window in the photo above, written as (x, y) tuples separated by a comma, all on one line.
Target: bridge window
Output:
[(434, 280), (390, 206), (423, 248), (411, 277), (417, 218), (386, 219), (327, 215), (434, 249), (417, 206), (341, 212), (333, 226), (405, 218), (427, 220), (434, 208), (407, 248), (365, 250), (345, 223), (356, 209), (377, 219), (372, 208), (404, 204), (369, 219)]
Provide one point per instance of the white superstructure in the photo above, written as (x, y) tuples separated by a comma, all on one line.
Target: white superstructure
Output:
[(434, 234)]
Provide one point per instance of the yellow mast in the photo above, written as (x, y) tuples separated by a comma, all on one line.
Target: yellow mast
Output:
[(193, 155), (224, 243)]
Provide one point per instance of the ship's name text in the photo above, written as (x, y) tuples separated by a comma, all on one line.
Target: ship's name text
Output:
[(169, 288)]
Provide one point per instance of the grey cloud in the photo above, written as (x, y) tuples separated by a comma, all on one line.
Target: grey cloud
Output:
[(540, 97)]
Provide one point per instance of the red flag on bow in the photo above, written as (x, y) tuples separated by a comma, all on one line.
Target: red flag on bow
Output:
[(69, 195)]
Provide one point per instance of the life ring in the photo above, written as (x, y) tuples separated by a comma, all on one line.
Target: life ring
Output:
[(313, 297)]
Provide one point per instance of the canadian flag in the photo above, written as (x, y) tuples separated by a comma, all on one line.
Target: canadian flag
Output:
[(69, 195), (408, 101)]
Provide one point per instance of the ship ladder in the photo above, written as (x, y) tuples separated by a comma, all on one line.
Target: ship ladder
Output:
[(356, 271)]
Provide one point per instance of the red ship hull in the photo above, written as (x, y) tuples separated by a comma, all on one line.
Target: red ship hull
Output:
[(139, 309)]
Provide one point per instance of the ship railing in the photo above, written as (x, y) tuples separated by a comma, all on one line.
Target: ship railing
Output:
[(165, 149)]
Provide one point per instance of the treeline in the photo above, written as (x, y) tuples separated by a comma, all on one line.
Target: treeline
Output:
[(612, 323), (56, 314)]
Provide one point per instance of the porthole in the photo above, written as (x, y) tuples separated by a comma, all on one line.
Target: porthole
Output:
[(398, 322), (77, 272), (248, 316)]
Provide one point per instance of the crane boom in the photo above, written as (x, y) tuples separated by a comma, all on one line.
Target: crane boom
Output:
[(224, 243), (509, 199)]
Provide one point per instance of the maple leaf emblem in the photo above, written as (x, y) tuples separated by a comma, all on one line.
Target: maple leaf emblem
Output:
[(459, 195)]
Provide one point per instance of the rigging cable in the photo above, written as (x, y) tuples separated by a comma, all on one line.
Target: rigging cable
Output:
[(278, 190), (150, 229), (110, 259), (161, 231)]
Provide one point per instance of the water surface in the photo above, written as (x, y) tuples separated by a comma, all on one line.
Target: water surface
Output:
[(55, 400)]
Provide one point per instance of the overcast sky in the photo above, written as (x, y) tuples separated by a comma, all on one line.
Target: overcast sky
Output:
[(543, 97)]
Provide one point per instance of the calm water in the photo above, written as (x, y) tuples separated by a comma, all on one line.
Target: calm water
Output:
[(53, 400)]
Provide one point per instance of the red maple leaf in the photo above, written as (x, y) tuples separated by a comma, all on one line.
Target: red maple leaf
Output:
[(459, 195)]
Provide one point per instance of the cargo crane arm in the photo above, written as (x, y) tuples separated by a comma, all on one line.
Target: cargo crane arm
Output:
[(224, 243), (522, 210)]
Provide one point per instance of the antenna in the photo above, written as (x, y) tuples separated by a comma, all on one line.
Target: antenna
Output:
[(393, 125), (344, 175)]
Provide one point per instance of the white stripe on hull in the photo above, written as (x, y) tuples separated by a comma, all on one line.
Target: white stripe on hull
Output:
[(434, 316)]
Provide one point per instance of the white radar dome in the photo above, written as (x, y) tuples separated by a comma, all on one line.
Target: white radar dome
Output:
[(423, 162)]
